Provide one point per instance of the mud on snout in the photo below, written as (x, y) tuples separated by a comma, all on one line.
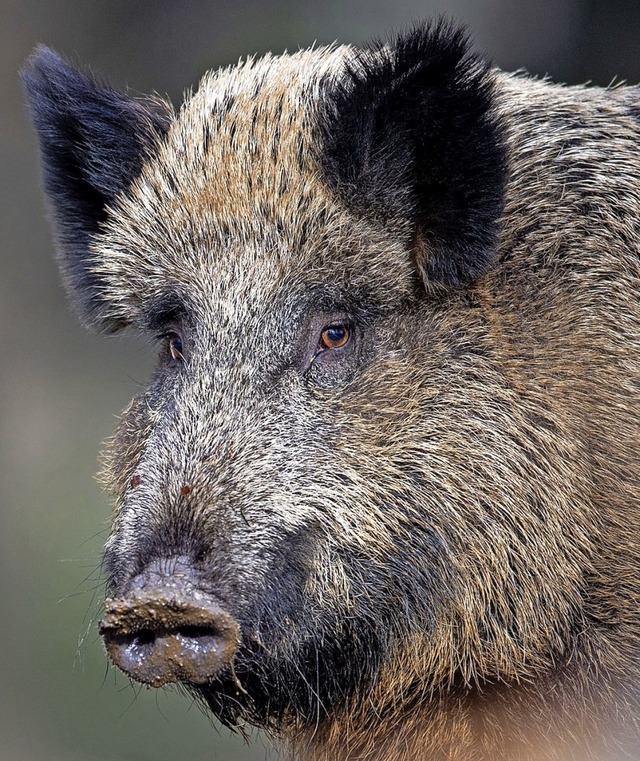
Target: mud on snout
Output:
[(167, 629)]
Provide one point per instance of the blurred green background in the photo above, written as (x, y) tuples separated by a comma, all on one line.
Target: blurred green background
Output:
[(61, 388)]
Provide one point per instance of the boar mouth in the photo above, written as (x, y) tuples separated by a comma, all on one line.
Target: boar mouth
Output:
[(169, 631)]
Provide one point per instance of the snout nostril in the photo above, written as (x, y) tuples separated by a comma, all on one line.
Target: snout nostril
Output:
[(145, 638), (132, 649), (142, 638), (195, 632)]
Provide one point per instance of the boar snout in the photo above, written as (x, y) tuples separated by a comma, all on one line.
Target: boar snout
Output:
[(167, 629)]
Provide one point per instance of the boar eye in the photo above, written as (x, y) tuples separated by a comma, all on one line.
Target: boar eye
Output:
[(175, 346), (174, 343), (334, 336)]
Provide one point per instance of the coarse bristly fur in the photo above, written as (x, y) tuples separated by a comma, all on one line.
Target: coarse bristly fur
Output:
[(428, 533)]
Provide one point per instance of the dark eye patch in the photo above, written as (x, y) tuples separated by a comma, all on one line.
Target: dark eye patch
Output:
[(167, 310)]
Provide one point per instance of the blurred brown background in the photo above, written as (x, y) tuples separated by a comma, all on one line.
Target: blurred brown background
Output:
[(60, 388)]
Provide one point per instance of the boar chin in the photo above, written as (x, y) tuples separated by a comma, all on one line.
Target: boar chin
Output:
[(275, 685)]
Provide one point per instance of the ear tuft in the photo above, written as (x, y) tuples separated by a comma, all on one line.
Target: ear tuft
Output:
[(93, 142), (409, 135)]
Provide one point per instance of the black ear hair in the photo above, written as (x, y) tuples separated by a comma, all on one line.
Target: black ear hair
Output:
[(93, 141), (409, 134)]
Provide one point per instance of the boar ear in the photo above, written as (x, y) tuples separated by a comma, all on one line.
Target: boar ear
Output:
[(93, 141), (410, 135)]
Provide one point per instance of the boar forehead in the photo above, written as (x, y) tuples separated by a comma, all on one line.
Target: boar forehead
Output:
[(235, 199)]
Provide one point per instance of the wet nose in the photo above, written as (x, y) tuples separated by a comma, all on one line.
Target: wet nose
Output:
[(167, 629)]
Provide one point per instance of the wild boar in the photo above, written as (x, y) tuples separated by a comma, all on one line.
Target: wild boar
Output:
[(381, 495)]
